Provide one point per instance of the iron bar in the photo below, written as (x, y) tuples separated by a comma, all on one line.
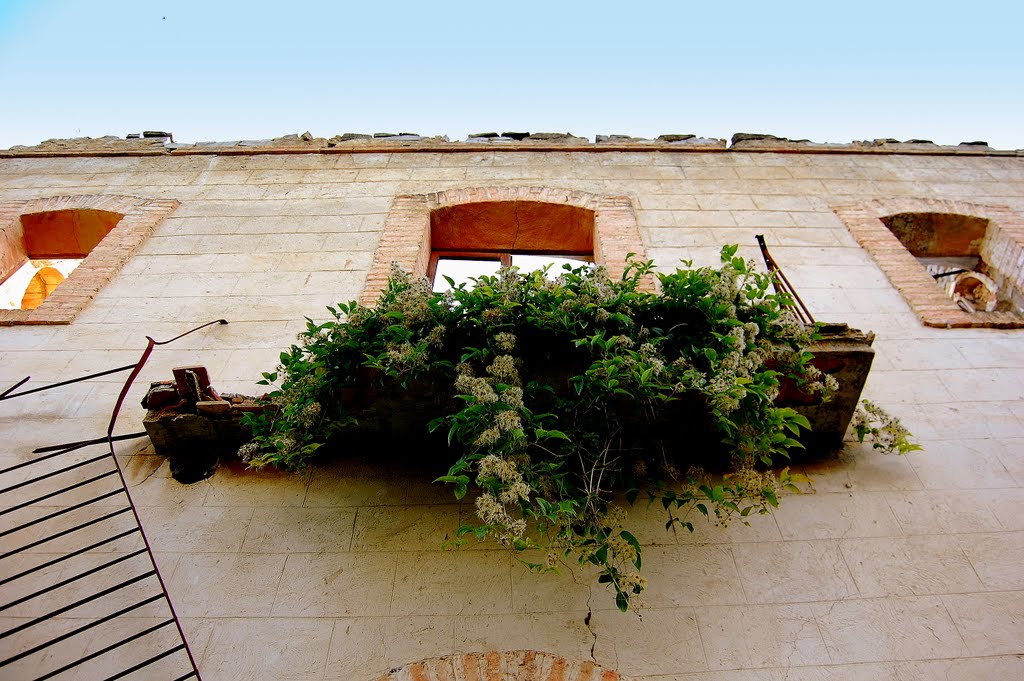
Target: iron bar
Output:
[(55, 451), (51, 516), (66, 556), (74, 632), (948, 274), (79, 602), (72, 580), (52, 474), (63, 533), (138, 521), (155, 658), (72, 446), (8, 396), (35, 460), (104, 651), (83, 483), (15, 387)]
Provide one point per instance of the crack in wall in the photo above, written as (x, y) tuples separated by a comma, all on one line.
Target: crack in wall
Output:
[(590, 614)]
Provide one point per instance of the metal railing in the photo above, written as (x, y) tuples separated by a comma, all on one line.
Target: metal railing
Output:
[(82, 594)]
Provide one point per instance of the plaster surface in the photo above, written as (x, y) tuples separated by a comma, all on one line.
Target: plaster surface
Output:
[(887, 567)]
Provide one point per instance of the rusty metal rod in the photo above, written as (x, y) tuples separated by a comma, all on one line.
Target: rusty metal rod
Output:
[(781, 283)]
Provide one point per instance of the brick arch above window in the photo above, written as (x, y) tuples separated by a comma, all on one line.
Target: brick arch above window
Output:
[(138, 218), (523, 665), (1002, 248), (407, 230)]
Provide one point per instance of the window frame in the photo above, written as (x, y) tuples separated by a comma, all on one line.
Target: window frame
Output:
[(1001, 249), (406, 236)]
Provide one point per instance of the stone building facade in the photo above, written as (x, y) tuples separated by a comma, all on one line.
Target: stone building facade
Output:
[(888, 567)]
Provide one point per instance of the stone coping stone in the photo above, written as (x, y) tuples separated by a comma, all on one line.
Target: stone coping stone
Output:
[(145, 145)]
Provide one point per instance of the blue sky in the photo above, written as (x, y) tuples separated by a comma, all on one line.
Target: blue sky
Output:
[(211, 70)]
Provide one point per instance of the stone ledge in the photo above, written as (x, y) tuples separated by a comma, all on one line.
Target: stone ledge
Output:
[(411, 142)]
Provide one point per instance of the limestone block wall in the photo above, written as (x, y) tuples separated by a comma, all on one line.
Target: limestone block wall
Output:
[(889, 567)]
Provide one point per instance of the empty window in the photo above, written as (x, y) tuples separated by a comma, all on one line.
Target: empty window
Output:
[(956, 263), (57, 253), (471, 240), (426, 233), (52, 244), (949, 246)]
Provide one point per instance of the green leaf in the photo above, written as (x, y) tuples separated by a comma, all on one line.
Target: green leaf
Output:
[(543, 434)]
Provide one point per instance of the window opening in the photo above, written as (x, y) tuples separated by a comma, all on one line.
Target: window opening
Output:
[(482, 223), (52, 244), (948, 259), (528, 263), (949, 246), (462, 269), (27, 288), (470, 240)]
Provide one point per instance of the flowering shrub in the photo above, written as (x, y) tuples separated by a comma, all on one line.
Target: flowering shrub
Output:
[(557, 393)]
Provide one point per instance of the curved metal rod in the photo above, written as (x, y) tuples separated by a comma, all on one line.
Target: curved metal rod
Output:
[(138, 521)]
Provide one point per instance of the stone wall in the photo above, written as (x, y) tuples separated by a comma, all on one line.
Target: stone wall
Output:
[(888, 567)]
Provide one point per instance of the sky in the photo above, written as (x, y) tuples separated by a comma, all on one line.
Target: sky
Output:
[(217, 70)]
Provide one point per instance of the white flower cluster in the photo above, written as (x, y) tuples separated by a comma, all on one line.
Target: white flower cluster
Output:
[(436, 336), (493, 512), (310, 415), (480, 388), (614, 517), (826, 384), (358, 316), (249, 451), (403, 356), (490, 509), (621, 549), (506, 342), (504, 367), (488, 437), (788, 325), (631, 582), (508, 420), (502, 469), (886, 430), (751, 480), (727, 286), (513, 397)]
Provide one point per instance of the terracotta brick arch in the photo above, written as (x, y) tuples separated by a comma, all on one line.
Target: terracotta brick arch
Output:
[(138, 218), (1002, 248), (518, 665), (407, 229)]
